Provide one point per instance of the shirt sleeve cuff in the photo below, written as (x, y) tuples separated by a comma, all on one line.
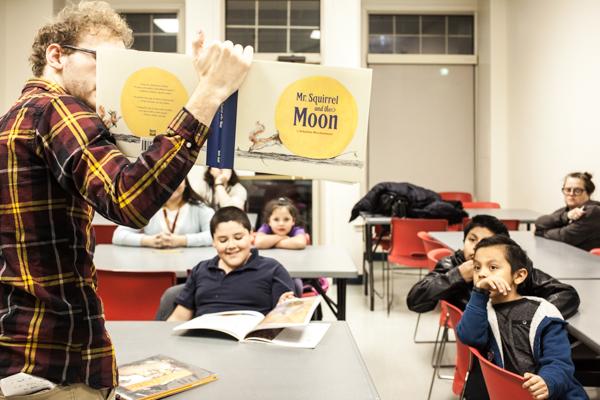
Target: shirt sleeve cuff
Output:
[(479, 290), (188, 127)]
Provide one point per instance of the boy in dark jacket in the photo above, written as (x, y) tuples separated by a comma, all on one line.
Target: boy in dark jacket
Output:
[(524, 335)]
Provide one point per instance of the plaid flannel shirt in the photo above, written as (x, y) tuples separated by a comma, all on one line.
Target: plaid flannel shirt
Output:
[(59, 163)]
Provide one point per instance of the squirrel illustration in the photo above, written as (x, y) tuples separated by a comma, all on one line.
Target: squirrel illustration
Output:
[(109, 120), (260, 143)]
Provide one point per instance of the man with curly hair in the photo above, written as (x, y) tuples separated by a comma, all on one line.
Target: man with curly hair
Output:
[(59, 165)]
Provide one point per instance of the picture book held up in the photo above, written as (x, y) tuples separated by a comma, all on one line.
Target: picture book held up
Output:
[(287, 118), (157, 377), (286, 325)]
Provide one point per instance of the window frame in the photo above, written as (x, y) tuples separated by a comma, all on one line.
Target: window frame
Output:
[(311, 58), (164, 8), (450, 59)]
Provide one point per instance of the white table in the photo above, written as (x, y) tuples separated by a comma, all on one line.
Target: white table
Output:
[(311, 263), (585, 325), (560, 260), (334, 370)]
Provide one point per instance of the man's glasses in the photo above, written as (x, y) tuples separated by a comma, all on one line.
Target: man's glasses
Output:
[(576, 192), (80, 49)]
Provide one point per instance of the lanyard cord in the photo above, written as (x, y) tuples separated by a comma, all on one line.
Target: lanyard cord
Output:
[(167, 219)]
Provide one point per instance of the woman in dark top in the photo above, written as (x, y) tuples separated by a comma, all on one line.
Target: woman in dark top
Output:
[(578, 223)]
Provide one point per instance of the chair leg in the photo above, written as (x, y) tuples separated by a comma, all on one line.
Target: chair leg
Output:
[(437, 339), (437, 367), (471, 359), (440, 355), (390, 292)]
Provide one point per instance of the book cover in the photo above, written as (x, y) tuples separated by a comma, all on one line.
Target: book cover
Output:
[(292, 119), (157, 377), (286, 325)]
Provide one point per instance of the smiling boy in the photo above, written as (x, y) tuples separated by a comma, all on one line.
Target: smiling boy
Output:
[(237, 278), (522, 334)]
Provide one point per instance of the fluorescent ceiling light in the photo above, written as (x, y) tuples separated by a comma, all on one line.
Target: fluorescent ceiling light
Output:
[(169, 25), (315, 34)]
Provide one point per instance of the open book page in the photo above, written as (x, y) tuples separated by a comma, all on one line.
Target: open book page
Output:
[(305, 336), (292, 312), (234, 323), (157, 377), (139, 93)]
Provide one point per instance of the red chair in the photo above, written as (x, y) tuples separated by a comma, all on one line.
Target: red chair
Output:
[(511, 224), (429, 243), (407, 247), (595, 251), (104, 233), (132, 295), (463, 357), (480, 204), (435, 255), (460, 196), (501, 384)]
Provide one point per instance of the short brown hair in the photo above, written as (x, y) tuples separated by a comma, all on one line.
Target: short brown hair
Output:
[(586, 177), (96, 17)]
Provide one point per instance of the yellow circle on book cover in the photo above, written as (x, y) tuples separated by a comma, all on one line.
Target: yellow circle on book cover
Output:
[(316, 117), (150, 99)]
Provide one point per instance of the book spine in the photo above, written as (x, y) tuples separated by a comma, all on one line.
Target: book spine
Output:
[(220, 147)]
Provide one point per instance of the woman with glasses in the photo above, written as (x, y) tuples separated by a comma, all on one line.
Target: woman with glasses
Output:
[(578, 223)]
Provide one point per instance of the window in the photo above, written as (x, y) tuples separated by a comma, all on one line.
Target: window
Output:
[(421, 34), (274, 26), (154, 31)]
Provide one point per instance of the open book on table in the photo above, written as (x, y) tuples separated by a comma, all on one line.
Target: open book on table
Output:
[(157, 377), (286, 325)]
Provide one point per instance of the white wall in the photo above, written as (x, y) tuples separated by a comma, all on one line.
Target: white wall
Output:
[(491, 165), (553, 59), (3, 38), (23, 18), (340, 46)]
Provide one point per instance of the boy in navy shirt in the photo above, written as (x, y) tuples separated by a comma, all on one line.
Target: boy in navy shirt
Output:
[(522, 334), (237, 278)]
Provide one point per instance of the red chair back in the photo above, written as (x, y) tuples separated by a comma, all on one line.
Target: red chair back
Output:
[(463, 354), (429, 243), (595, 251), (407, 247), (132, 295), (460, 196), (104, 233), (511, 224), (436, 255), (480, 204), (501, 384)]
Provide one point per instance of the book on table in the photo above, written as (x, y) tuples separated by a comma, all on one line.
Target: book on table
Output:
[(286, 118), (157, 377), (286, 325)]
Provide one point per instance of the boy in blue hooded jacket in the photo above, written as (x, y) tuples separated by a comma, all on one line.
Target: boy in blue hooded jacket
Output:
[(522, 334)]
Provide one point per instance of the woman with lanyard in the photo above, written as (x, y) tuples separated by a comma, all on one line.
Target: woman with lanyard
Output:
[(184, 221), (220, 187)]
